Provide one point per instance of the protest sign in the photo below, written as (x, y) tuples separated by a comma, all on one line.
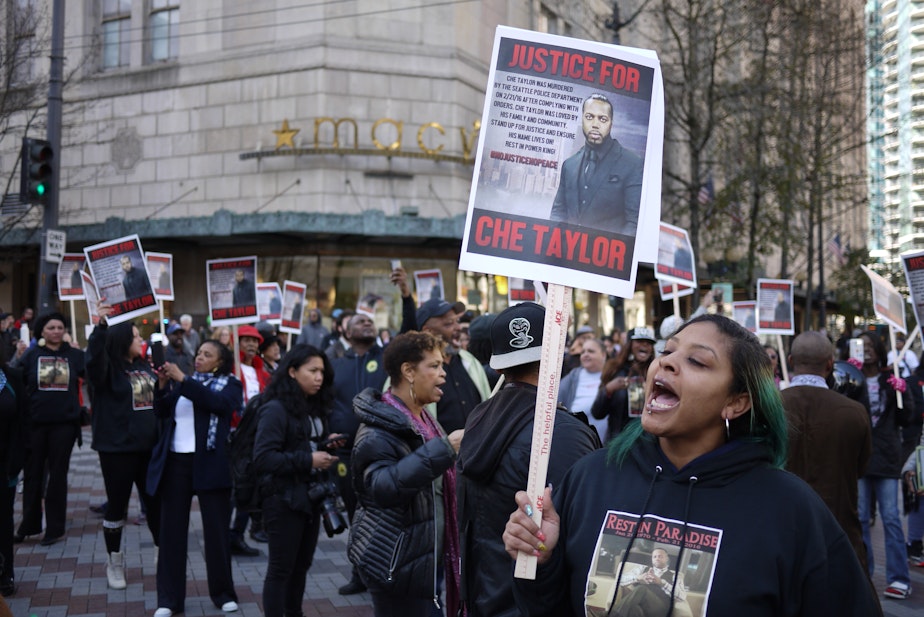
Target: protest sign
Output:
[(675, 257), (888, 303), (774, 307), (429, 284), (121, 279), (745, 314), (232, 290), (667, 290), (70, 285), (91, 295), (567, 178), (160, 271), (293, 307), (269, 302), (520, 290), (913, 264)]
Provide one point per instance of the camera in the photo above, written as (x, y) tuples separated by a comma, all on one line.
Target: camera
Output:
[(325, 497)]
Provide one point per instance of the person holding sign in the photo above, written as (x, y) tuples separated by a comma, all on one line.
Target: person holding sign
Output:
[(404, 475), (494, 458), (601, 184), (124, 429), (881, 480), (701, 475)]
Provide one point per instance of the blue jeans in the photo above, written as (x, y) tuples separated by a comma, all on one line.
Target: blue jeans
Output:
[(886, 493)]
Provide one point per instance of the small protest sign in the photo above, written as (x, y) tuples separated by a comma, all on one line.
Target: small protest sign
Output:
[(232, 290), (121, 279)]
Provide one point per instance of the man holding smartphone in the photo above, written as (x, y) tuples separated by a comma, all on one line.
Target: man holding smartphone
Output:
[(175, 350)]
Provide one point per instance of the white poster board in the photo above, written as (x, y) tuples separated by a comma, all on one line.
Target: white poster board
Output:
[(520, 290), (745, 313), (160, 270), (888, 303), (70, 283), (121, 279), (913, 264), (232, 290), (537, 209), (774, 306), (429, 284), (269, 302), (293, 307), (676, 262)]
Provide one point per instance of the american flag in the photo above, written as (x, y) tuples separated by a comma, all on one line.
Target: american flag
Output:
[(837, 249), (706, 192)]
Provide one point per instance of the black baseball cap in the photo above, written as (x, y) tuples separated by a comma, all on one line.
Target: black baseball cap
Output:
[(516, 335), (436, 307)]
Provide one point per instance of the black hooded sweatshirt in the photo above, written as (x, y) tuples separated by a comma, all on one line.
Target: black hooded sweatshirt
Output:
[(493, 465), (750, 539)]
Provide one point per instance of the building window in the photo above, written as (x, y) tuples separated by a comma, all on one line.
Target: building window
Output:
[(21, 45), (117, 21), (164, 24)]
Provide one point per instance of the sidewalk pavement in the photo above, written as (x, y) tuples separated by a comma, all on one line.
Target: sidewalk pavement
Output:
[(68, 579)]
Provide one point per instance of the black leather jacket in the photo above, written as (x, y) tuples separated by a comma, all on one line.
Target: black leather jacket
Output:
[(393, 541)]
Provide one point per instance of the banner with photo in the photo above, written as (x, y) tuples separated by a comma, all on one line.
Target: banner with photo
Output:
[(121, 279), (567, 184), (269, 303), (429, 284), (520, 290), (232, 290), (745, 313), (774, 307), (667, 290), (913, 264), (888, 302), (70, 283), (675, 256), (293, 307), (160, 270)]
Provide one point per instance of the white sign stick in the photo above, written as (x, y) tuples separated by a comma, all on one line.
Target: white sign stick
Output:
[(898, 395), (781, 356), (555, 332), (676, 301), (73, 323)]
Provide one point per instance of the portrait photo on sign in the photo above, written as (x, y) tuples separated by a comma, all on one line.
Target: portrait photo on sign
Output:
[(774, 306), (70, 285), (913, 264), (121, 278), (675, 256), (429, 285), (269, 302), (888, 302), (745, 313), (568, 163), (160, 270), (232, 290), (293, 307)]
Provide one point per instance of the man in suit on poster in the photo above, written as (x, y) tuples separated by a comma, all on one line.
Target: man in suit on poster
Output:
[(601, 184)]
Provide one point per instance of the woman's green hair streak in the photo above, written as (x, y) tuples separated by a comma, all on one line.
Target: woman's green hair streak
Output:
[(764, 423)]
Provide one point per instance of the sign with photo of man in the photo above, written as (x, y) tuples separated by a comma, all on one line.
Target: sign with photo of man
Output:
[(913, 264), (269, 302), (675, 256), (70, 283), (293, 307), (119, 274), (232, 290), (160, 269), (429, 284), (567, 185), (774, 306)]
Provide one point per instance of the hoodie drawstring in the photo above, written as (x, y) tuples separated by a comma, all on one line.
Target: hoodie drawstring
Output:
[(683, 542), (625, 555)]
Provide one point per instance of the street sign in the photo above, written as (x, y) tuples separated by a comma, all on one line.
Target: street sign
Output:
[(55, 241)]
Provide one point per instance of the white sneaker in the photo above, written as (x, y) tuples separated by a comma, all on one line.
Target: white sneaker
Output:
[(163, 612), (115, 571), (228, 607)]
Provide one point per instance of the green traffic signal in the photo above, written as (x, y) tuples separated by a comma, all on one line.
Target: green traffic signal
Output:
[(36, 171)]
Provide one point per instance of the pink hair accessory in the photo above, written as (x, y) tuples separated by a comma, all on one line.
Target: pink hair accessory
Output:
[(855, 363), (897, 384)]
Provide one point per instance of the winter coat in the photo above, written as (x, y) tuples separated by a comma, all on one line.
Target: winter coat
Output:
[(395, 534), (750, 539), (886, 461)]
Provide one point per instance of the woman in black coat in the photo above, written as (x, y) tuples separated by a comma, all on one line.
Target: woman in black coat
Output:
[(191, 458), (13, 409), (291, 457)]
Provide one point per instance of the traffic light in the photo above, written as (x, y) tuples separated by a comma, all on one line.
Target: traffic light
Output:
[(35, 176)]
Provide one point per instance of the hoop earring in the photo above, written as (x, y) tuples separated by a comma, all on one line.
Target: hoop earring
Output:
[(413, 394), (727, 430)]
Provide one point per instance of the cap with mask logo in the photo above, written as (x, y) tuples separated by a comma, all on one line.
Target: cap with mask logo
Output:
[(516, 335)]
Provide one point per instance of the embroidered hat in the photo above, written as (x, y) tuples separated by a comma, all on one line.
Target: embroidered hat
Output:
[(516, 335), (436, 307), (642, 333)]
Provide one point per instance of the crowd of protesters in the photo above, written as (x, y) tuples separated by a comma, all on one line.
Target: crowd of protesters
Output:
[(419, 441)]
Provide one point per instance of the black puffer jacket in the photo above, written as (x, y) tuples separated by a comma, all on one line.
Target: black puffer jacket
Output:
[(886, 460), (393, 541)]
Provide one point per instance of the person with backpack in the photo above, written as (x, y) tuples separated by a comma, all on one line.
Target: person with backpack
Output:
[(191, 458), (290, 457)]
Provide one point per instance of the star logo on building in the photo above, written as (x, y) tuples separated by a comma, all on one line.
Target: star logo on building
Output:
[(285, 135)]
